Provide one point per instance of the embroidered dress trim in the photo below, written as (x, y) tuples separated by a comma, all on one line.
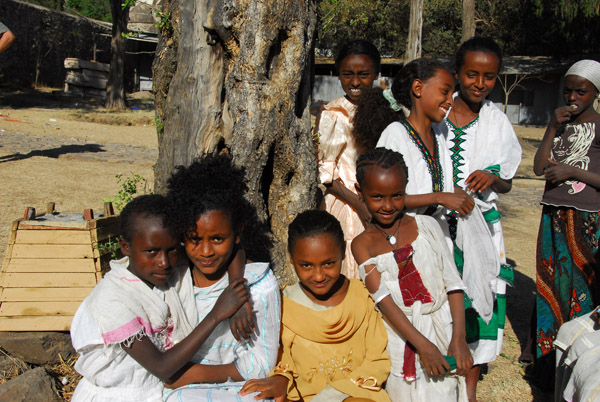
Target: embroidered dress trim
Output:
[(457, 149), (433, 161)]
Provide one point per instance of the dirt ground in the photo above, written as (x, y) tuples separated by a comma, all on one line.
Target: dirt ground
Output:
[(69, 150)]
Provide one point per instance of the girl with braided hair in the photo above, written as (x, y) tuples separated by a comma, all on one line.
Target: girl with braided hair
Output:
[(409, 271)]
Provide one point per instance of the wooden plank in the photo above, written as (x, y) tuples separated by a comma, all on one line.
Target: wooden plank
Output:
[(104, 232), (77, 79), (51, 265), (92, 65), (45, 280), (9, 309), (45, 294), (52, 251), (56, 323), (53, 237)]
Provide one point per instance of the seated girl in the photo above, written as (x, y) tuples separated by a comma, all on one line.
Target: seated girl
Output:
[(333, 340), (129, 332), (212, 213)]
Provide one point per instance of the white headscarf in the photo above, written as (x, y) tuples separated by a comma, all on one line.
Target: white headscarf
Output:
[(588, 69)]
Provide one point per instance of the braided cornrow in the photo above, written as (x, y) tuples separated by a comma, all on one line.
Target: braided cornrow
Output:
[(382, 157)]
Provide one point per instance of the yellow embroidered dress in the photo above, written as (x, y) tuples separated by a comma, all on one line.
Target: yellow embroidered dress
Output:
[(337, 161), (343, 347)]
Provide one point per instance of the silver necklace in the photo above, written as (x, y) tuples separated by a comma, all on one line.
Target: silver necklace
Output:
[(391, 238)]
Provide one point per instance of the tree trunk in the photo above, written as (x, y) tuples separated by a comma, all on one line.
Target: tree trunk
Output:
[(115, 89), (415, 29), (236, 75), (468, 20)]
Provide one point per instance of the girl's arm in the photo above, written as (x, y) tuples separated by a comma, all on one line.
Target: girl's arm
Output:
[(241, 322), (431, 358), (338, 189), (458, 344), (458, 201), (165, 364), (540, 161), (204, 373), (556, 172)]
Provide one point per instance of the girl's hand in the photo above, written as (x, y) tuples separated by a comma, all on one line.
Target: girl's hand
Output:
[(458, 201), (557, 172), (433, 361), (270, 387), (460, 350), (479, 181), (231, 299), (242, 323), (561, 115)]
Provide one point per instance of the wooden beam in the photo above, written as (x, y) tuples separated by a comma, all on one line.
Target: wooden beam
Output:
[(50, 265), (57, 323), (10, 309), (53, 237), (45, 294), (46, 280), (53, 251)]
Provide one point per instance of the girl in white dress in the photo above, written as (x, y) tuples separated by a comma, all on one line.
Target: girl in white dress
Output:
[(409, 271), (358, 65)]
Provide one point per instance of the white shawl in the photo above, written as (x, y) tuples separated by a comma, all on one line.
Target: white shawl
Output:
[(126, 309)]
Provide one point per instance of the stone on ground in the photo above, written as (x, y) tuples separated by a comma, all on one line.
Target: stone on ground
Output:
[(37, 347)]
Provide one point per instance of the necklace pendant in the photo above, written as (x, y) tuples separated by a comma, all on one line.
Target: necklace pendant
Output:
[(392, 239)]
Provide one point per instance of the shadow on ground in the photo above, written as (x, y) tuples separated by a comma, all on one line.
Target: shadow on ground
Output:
[(54, 152), (29, 97)]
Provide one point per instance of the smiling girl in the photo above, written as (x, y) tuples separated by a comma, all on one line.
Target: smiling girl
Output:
[(485, 155), (358, 65), (401, 119), (213, 215), (409, 271), (332, 338)]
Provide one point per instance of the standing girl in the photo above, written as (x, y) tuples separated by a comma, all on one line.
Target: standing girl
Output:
[(423, 89), (129, 332), (408, 269), (212, 215), (567, 250), (332, 338), (485, 155), (358, 65)]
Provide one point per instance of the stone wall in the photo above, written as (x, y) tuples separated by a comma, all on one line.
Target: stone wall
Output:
[(44, 38)]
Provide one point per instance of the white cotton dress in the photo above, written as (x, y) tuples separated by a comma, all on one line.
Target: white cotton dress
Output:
[(436, 268), (254, 359)]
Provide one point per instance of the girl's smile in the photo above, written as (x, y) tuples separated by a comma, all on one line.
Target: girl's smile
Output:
[(318, 263), (383, 191), (357, 72), (210, 248), (477, 76), (435, 95)]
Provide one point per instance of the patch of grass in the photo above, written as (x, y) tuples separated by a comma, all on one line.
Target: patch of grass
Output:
[(11, 367), (67, 377), (116, 118)]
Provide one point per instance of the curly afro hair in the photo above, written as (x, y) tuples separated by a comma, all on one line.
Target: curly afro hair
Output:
[(213, 183), (372, 116)]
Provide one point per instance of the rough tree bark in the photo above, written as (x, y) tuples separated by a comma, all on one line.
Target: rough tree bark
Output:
[(236, 74), (415, 29), (115, 89), (468, 20)]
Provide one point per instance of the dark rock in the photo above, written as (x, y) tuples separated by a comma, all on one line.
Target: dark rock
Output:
[(32, 386), (37, 347)]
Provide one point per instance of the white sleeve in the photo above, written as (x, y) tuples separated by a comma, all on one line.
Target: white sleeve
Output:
[(258, 357)]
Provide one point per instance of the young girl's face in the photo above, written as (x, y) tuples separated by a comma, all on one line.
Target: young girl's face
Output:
[(434, 96), (318, 263), (477, 76), (152, 251), (210, 248), (357, 72), (383, 191), (579, 93)]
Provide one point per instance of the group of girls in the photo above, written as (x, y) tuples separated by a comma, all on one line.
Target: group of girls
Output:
[(413, 173), (460, 152)]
